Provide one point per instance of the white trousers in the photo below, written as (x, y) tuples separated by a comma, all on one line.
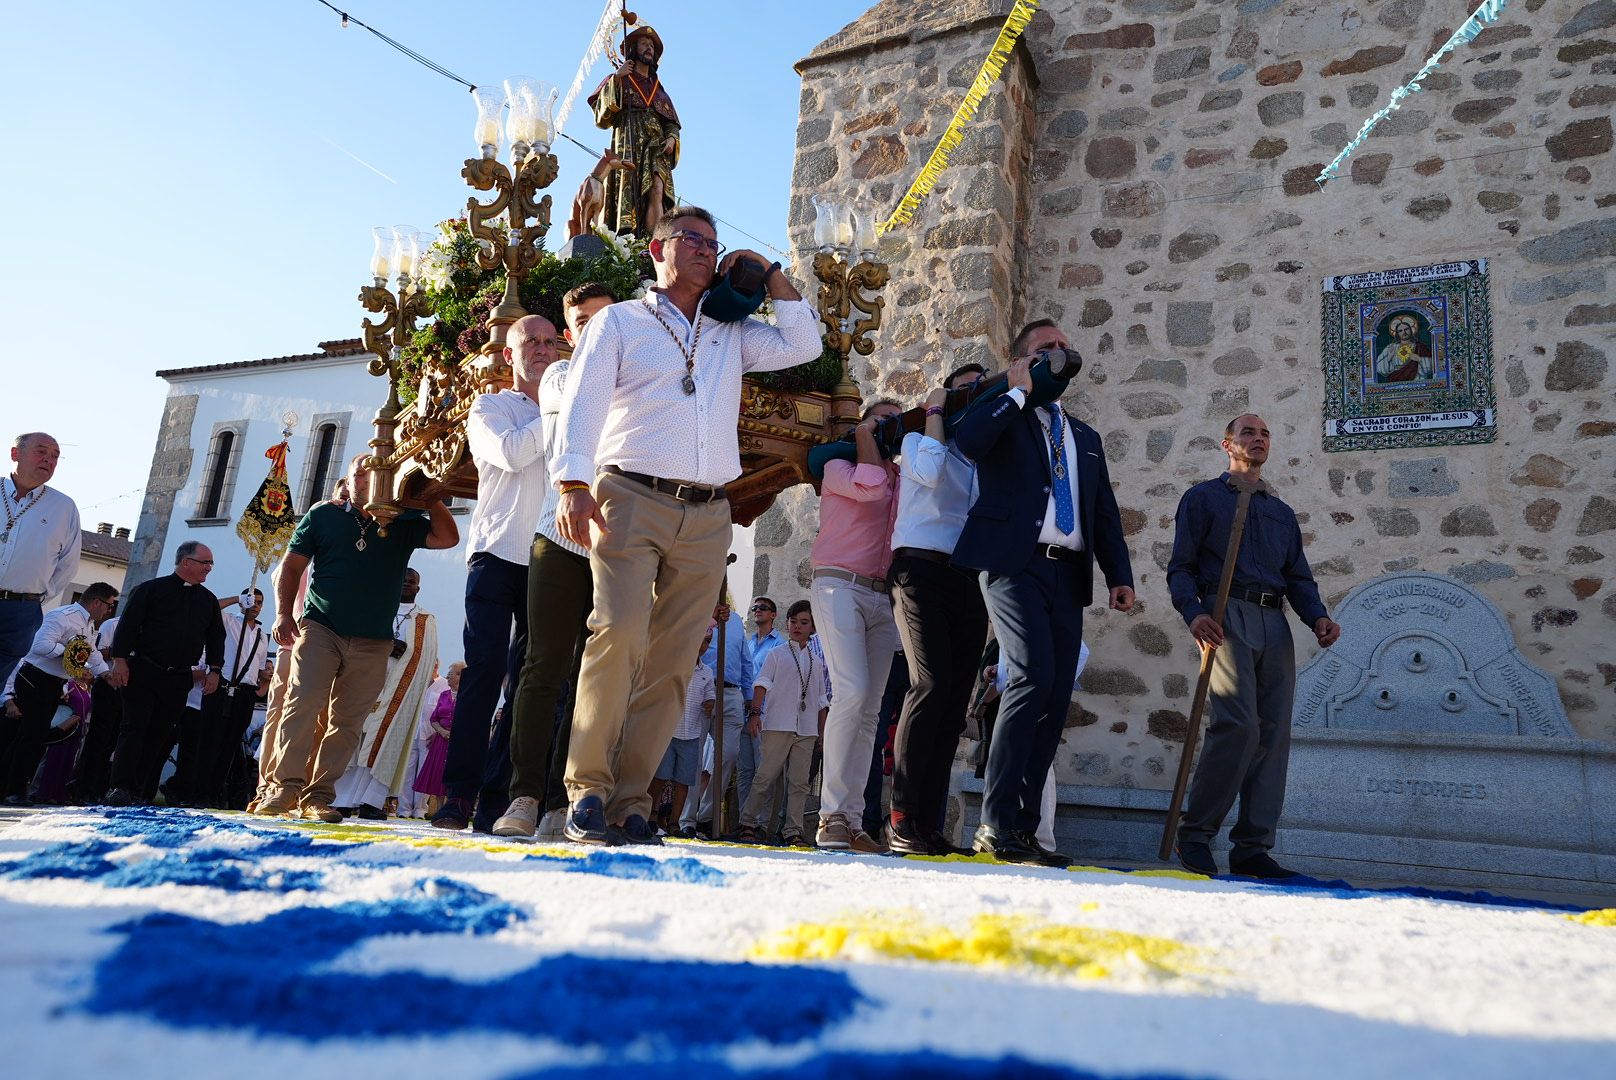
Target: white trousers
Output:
[(859, 636)]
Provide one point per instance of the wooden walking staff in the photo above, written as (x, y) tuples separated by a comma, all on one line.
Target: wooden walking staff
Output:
[(1203, 682), (718, 728)]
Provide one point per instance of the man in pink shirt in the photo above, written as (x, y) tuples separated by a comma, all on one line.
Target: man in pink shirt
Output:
[(858, 503)]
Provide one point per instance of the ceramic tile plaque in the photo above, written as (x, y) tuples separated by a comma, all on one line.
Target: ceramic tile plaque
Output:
[(1408, 358)]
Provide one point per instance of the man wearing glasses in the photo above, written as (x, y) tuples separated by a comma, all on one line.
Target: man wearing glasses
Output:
[(167, 623), (647, 442)]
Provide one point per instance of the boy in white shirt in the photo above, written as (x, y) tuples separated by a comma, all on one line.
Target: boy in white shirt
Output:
[(790, 704), (681, 764)]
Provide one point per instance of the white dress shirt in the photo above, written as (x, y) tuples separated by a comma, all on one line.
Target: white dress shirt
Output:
[(551, 390), (1049, 533), (251, 648), (793, 679), (505, 432), (61, 626), (625, 405), (103, 636), (694, 722), (41, 551), (936, 487)]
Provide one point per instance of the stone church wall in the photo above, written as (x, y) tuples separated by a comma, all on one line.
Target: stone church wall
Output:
[(1143, 174)]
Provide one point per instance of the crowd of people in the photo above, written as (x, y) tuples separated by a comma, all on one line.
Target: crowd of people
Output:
[(601, 654)]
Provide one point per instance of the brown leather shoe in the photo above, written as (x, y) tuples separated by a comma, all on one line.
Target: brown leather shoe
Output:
[(278, 804), (834, 834), (319, 811), (862, 843)]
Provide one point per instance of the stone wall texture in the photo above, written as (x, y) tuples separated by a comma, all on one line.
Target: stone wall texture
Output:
[(1143, 174), (171, 468)]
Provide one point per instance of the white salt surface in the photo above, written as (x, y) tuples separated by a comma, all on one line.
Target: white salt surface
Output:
[(1287, 982)]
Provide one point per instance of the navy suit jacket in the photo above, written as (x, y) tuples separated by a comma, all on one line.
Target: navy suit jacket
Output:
[(1012, 458)]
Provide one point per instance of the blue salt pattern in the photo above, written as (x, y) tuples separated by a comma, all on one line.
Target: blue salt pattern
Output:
[(847, 1066), (261, 978)]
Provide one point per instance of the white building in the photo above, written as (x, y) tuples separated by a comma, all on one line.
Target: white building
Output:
[(104, 556), (217, 423)]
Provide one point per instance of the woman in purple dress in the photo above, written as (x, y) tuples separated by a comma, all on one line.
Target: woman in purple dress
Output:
[(66, 738), (429, 781)]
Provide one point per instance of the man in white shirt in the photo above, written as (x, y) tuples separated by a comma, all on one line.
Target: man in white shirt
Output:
[(39, 544), (651, 405), (791, 704), (505, 432), (62, 649), (560, 593), (942, 622)]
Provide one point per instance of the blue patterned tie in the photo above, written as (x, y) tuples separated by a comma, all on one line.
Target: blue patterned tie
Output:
[(1065, 520)]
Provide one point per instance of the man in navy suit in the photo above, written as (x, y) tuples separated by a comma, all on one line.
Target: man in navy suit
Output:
[(1044, 515)]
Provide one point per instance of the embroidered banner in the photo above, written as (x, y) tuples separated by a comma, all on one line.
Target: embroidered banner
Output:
[(1408, 358)]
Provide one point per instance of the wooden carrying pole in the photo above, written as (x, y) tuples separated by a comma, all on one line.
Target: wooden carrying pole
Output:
[(1203, 682), (718, 713)]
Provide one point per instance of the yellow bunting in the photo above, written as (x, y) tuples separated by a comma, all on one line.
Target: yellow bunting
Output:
[(1599, 917), (1006, 941), (1014, 24)]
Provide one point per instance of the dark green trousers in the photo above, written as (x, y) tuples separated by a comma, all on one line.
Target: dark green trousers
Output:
[(560, 595)]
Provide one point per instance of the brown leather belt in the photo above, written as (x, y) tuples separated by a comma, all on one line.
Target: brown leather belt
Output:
[(878, 584), (690, 493)]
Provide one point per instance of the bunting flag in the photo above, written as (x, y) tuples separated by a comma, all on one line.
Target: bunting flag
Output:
[(986, 76), (267, 523), (597, 44), (1486, 13)]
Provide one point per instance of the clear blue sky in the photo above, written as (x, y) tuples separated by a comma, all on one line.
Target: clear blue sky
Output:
[(177, 192)]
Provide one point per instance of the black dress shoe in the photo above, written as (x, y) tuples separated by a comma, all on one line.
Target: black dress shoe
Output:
[(120, 797), (454, 814), (1046, 857), (940, 844), (1261, 866), (1006, 847), (904, 839), (1196, 857), (586, 824), (368, 812), (636, 830)]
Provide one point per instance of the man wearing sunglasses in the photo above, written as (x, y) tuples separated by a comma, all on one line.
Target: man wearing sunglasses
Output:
[(166, 624), (647, 442), (1045, 513)]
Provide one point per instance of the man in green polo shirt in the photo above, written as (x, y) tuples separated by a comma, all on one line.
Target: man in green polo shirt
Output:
[(340, 646)]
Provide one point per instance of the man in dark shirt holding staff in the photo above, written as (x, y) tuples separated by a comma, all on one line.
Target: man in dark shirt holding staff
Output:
[(165, 625), (1254, 666)]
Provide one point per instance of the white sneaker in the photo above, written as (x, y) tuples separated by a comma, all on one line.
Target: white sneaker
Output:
[(554, 825), (520, 818)]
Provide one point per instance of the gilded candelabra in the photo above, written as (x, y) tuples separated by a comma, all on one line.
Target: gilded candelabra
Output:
[(397, 250), (511, 227), (849, 301)]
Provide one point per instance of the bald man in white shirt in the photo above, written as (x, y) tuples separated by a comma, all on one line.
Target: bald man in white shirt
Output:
[(39, 544)]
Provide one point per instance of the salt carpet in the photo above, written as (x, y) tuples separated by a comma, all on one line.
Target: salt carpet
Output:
[(159, 943)]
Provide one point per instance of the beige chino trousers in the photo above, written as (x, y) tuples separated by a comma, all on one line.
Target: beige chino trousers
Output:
[(795, 754), (656, 571), (341, 676)]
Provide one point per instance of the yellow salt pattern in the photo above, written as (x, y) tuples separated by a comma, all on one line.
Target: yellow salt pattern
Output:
[(1598, 917), (360, 834), (1008, 941), (989, 860)]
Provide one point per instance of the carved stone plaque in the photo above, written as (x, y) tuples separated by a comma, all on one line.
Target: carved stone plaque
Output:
[(1423, 653)]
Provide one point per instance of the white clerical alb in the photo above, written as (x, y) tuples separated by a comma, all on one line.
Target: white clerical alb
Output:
[(625, 403)]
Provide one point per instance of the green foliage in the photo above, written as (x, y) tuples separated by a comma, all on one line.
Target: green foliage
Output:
[(462, 294), (819, 375)]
